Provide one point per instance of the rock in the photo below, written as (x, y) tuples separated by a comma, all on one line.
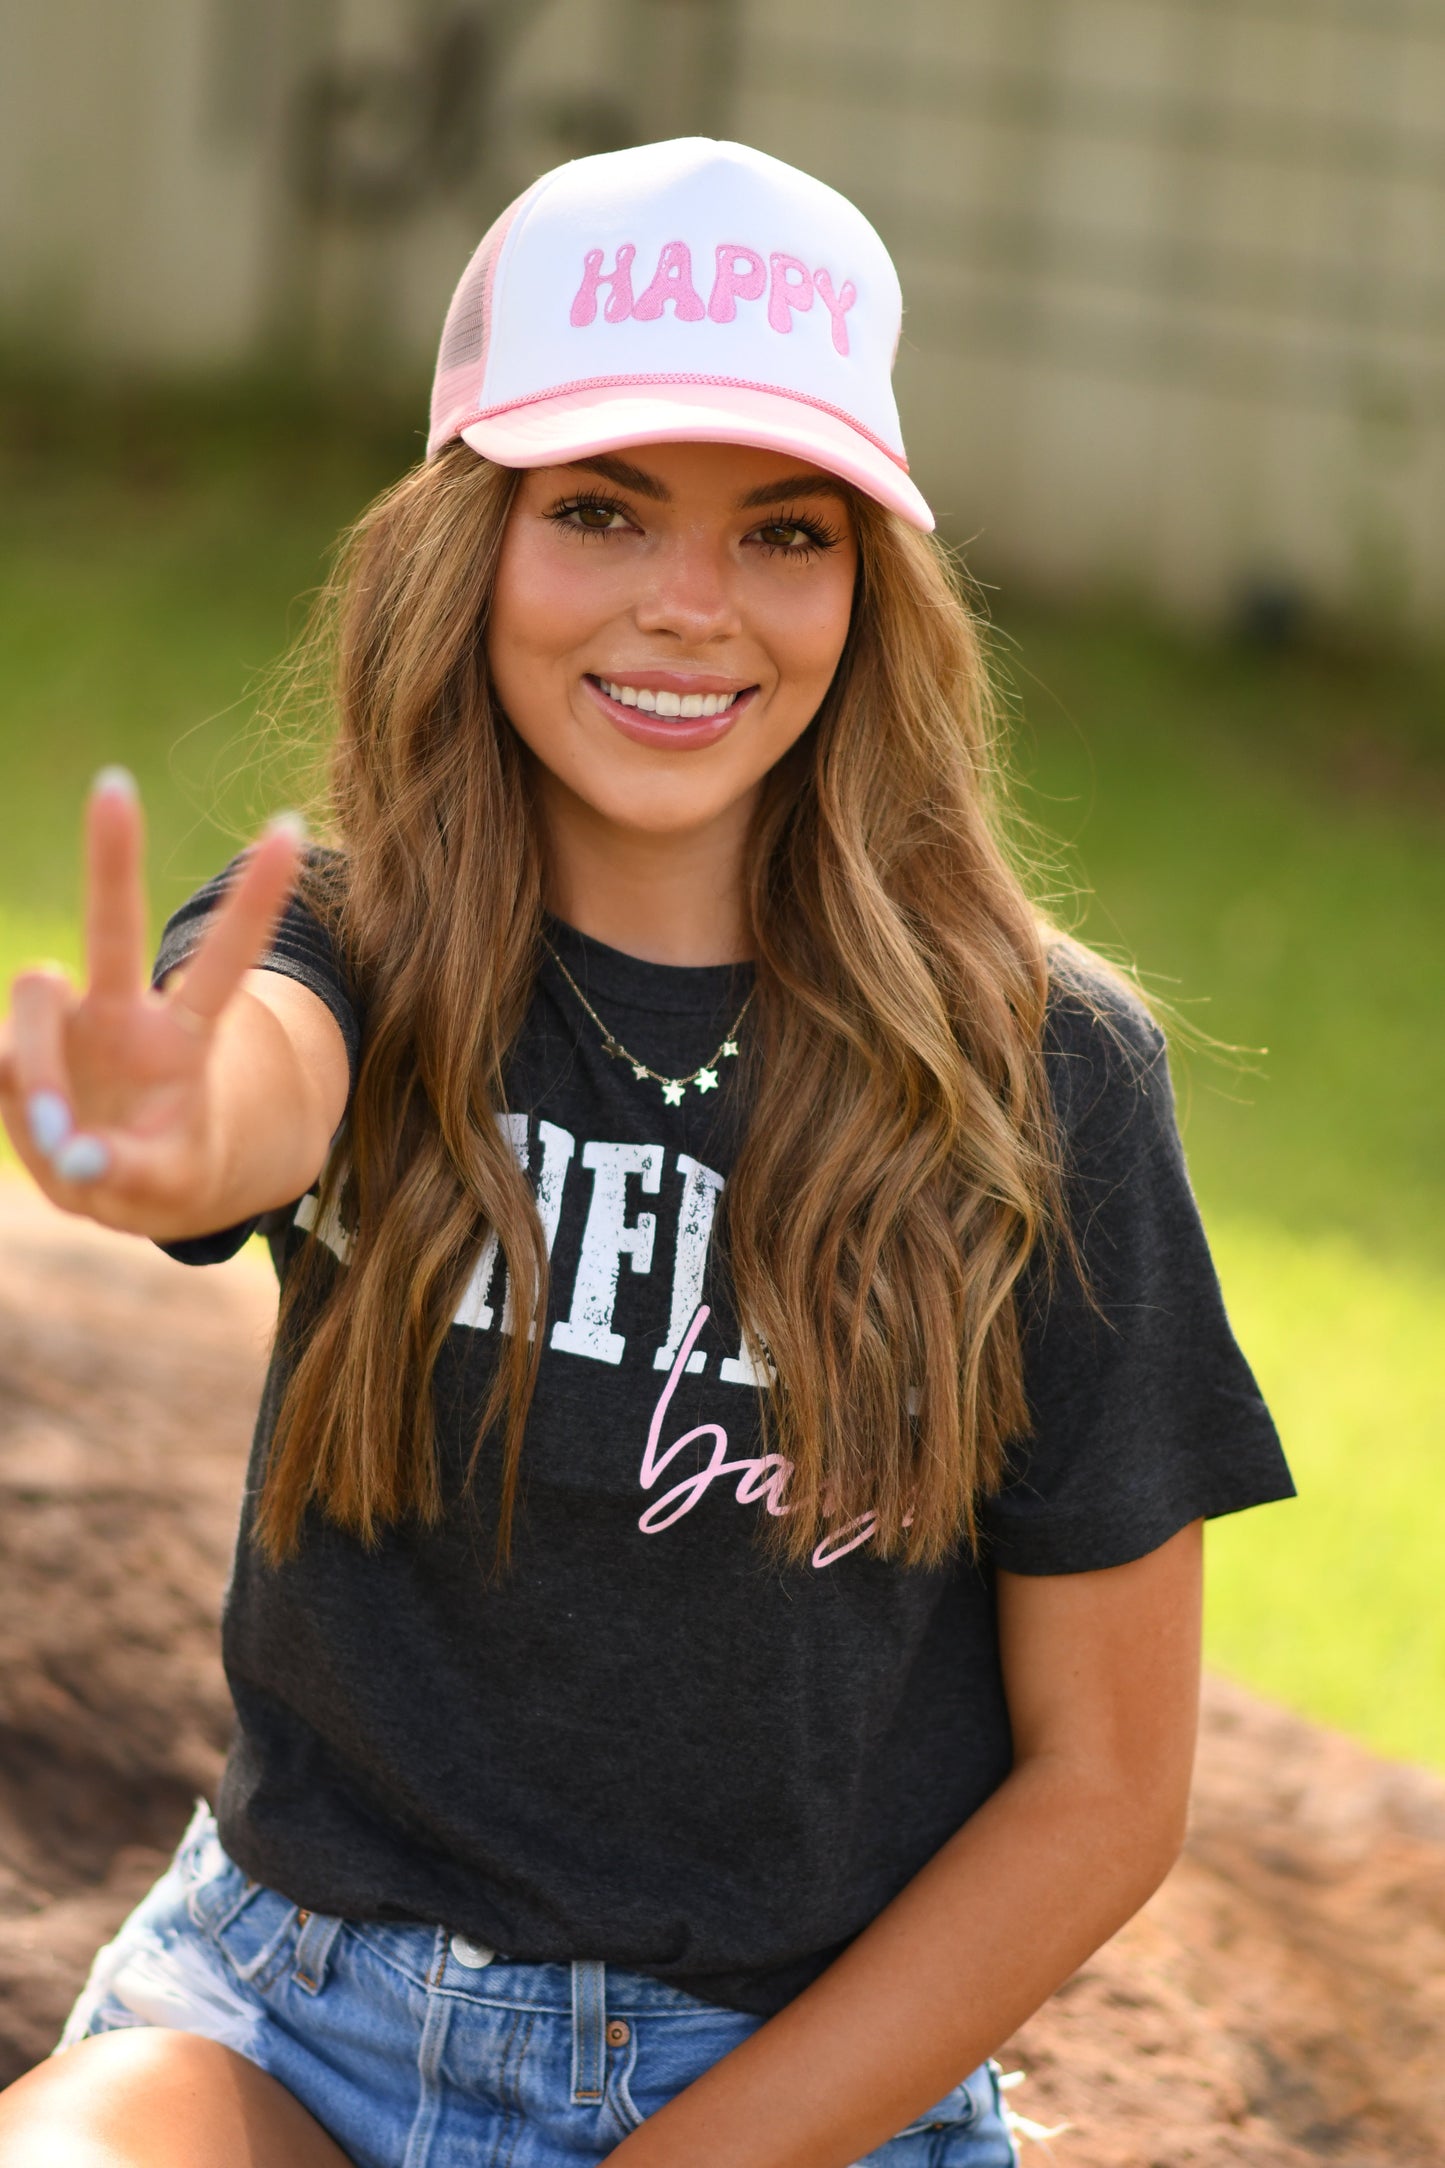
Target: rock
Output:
[(1280, 2002), (128, 1386)]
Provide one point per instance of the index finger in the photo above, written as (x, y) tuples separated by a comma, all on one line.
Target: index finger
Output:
[(242, 927), (115, 905)]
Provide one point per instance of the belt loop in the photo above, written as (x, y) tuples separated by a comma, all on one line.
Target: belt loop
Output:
[(313, 1949), (589, 2028)]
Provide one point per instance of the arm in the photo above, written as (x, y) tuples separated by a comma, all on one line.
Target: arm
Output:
[(180, 1112), (278, 1089), (1102, 1673)]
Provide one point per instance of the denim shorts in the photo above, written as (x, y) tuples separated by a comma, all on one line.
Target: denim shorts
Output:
[(416, 2048)]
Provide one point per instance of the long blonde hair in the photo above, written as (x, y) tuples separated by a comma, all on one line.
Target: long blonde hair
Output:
[(900, 1166)]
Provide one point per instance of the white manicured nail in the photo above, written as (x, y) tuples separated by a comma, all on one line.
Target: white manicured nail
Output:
[(49, 1120), (82, 1159), (288, 824), (117, 783)]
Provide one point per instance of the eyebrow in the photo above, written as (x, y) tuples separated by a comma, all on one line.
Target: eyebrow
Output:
[(625, 475), (794, 485), (643, 484)]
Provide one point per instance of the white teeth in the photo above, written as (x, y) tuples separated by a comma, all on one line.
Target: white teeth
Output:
[(684, 705)]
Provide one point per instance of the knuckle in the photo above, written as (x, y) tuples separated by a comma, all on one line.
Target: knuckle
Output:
[(45, 976), (38, 994)]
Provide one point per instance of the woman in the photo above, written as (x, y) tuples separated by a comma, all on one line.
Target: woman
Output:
[(714, 1630)]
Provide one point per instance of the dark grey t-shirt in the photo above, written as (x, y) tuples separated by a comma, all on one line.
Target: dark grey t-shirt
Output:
[(647, 1743)]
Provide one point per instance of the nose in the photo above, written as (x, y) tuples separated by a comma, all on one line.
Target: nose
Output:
[(690, 592)]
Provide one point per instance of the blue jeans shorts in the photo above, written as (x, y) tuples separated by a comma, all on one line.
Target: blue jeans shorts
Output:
[(416, 2048)]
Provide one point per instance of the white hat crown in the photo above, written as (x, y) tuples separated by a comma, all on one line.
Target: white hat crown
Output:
[(687, 288)]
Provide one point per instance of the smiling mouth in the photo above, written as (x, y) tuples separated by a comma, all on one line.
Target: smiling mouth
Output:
[(687, 707)]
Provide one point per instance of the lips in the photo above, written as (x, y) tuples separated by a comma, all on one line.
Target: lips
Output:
[(669, 709)]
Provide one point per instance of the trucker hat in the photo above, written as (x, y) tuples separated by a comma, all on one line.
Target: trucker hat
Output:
[(686, 291)]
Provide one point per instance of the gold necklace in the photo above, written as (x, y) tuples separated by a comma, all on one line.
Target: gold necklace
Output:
[(673, 1087)]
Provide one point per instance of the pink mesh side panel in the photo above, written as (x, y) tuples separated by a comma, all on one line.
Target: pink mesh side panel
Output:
[(462, 356)]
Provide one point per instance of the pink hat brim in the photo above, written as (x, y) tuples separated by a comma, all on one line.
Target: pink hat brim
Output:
[(609, 418)]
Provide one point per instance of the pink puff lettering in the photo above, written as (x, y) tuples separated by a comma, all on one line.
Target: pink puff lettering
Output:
[(762, 1479), (619, 279), (741, 274), (790, 288), (837, 304), (672, 281)]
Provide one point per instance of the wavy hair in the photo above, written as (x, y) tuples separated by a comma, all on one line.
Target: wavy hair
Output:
[(901, 1164)]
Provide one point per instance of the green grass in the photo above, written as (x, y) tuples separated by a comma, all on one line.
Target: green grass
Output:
[(1332, 1602), (147, 581), (1262, 834), (1273, 864)]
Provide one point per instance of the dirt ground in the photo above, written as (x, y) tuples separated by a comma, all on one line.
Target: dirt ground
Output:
[(1281, 2001)]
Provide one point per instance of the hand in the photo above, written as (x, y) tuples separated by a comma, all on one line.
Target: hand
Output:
[(106, 1092)]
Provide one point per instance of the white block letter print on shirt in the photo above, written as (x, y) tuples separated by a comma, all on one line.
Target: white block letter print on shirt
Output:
[(701, 1189), (475, 1308), (606, 1240)]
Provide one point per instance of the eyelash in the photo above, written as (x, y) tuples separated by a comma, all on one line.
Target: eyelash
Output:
[(819, 536)]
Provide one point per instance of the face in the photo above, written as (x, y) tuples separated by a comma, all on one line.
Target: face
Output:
[(664, 625)]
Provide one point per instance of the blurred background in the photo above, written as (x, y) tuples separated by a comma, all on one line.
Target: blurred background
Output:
[(1173, 373)]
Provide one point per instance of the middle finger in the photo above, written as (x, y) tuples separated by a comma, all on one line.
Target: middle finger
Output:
[(245, 921)]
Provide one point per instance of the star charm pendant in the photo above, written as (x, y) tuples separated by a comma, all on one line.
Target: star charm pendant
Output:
[(639, 1072), (706, 1080), (672, 1093), (729, 1046)]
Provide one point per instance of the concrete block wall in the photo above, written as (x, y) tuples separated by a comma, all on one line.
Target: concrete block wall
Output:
[(1174, 268)]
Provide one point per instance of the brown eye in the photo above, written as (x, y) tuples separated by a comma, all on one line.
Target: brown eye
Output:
[(589, 515), (800, 538)]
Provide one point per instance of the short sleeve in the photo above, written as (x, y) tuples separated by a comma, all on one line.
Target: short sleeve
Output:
[(303, 948), (1146, 1417)]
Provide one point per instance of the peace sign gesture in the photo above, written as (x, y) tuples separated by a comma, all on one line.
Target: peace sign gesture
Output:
[(112, 1094)]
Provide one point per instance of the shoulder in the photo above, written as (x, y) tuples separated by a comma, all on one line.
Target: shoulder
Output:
[(1105, 1053), (322, 884), (304, 944), (324, 864)]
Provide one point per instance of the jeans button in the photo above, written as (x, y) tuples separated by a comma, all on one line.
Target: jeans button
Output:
[(619, 2032), (474, 1955)]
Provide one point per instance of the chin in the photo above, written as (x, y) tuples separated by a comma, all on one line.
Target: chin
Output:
[(660, 814)]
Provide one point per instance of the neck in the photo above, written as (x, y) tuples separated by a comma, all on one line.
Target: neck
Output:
[(668, 899)]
